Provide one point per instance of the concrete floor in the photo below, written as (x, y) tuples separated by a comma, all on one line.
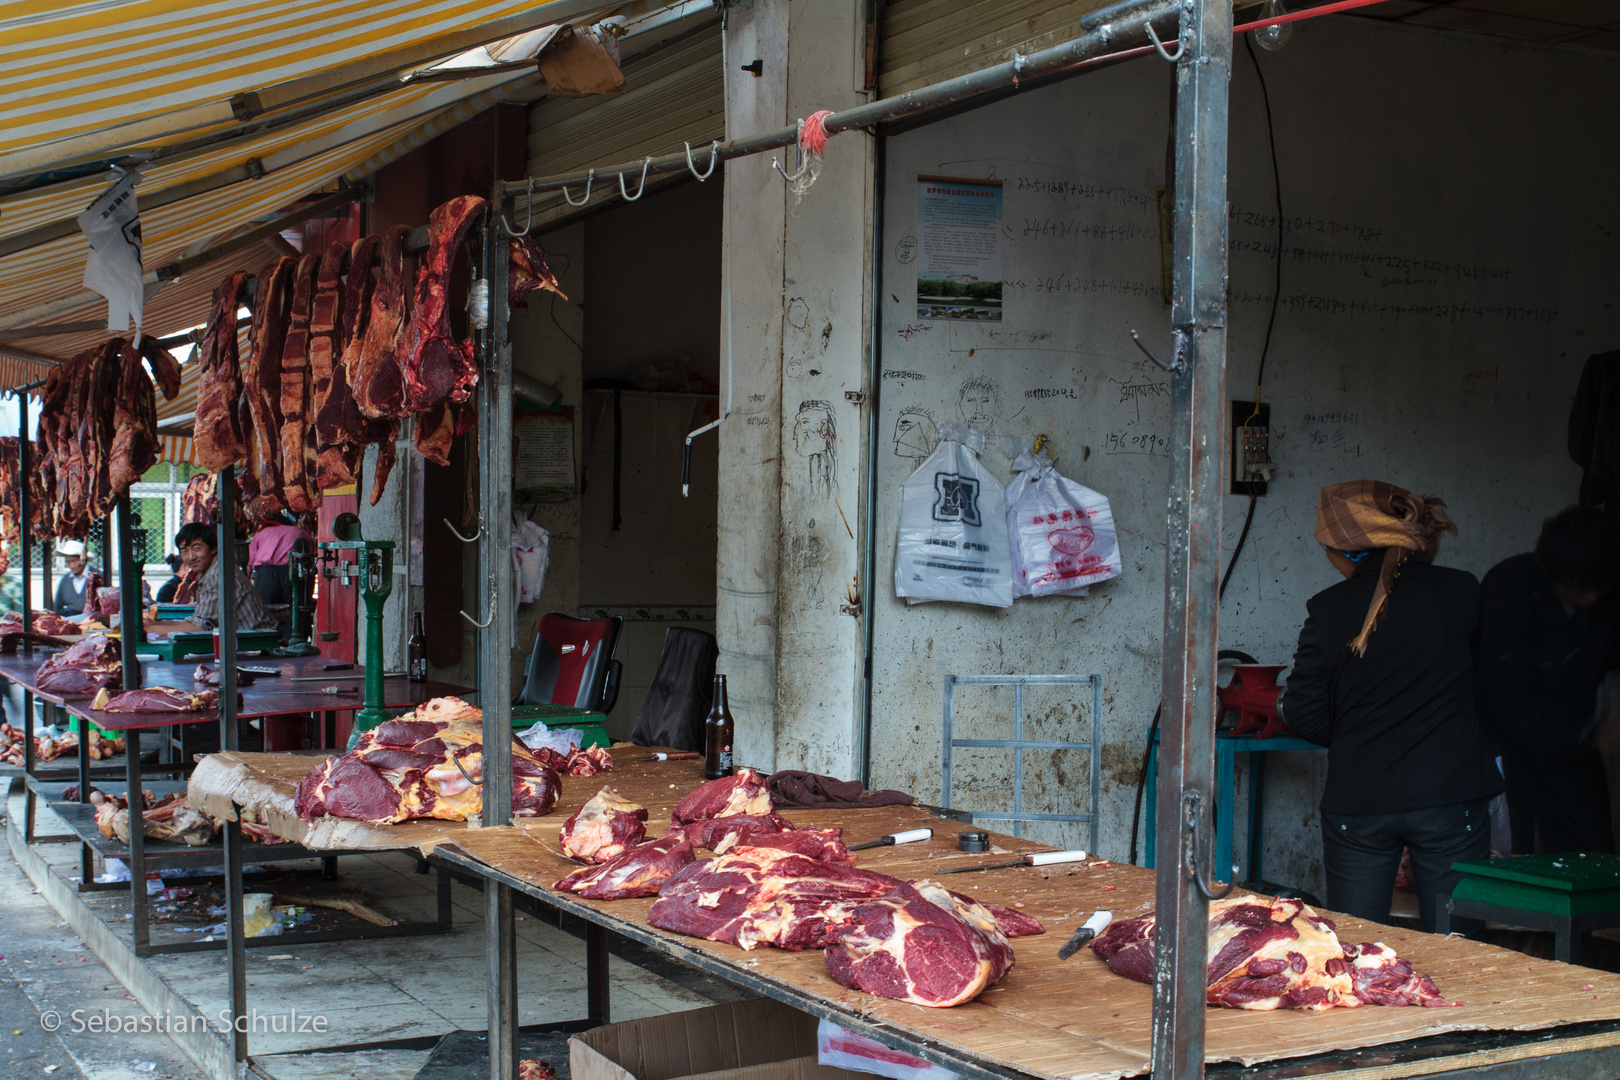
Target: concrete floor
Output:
[(364, 991)]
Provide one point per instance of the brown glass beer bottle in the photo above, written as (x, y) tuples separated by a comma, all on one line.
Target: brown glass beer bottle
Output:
[(718, 734)]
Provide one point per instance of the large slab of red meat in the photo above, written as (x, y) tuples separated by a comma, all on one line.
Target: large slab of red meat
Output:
[(823, 845), (426, 764), (437, 367), (1269, 953), (156, 699), (724, 833), (378, 380), (920, 943), (604, 828), (641, 871), (297, 442), (259, 411), (528, 271), (743, 794), (11, 482), (217, 429), (83, 669), (765, 896)]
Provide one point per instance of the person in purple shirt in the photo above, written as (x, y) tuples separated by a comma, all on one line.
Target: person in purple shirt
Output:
[(267, 558)]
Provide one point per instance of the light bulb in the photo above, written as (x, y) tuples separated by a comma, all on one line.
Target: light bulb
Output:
[(1272, 38)]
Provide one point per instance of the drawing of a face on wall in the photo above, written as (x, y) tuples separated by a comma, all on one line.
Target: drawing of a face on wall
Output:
[(915, 433), (980, 403), (815, 438)]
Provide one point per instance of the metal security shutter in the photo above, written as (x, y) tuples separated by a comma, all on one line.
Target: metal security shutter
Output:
[(672, 94), (926, 41)]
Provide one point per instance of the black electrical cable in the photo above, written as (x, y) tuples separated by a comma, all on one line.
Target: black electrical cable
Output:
[(1259, 381)]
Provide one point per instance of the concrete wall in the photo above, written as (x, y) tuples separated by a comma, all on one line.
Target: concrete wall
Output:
[(791, 476), (1449, 264)]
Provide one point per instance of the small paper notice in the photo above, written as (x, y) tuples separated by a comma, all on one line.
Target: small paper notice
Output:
[(543, 457)]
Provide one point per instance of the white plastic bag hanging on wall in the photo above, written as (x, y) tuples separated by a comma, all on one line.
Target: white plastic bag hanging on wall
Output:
[(953, 542), (1062, 533), (113, 226)]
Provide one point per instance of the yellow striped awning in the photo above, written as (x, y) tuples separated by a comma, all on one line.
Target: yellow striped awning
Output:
[(176, 450), (85, 80)]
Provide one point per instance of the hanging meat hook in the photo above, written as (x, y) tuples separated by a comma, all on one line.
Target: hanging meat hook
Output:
[(528, 223), (714, 157), (1158, 46), (590, 178), (1193, 802), (640, 191), (485, 624), (466, 539)]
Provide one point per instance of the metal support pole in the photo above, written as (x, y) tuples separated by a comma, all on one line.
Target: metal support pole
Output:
[(1197, 455), (495, 639), (229, 741), (598, 988), (131, 628), (25, 454)]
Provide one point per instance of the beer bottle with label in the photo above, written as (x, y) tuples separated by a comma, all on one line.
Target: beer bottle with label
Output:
[(718, 733), (416, 670)]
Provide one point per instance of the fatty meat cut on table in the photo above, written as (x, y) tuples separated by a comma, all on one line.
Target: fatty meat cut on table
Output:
[(604, 828), (1272, 953), (742, 794), (641, 871)]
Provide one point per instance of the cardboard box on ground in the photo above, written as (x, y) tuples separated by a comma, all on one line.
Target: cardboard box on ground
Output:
[(744, 1040)]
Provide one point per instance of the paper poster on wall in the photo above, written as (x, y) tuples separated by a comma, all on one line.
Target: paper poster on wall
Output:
[(543, 457), (959, 249)]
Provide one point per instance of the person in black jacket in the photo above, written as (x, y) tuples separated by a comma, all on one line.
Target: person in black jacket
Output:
[(1383, 677), (1548, 637)]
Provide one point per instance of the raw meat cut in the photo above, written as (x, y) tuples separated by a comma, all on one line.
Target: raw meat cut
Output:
[(922, 944), (435, 430), (577, 762), (135, 441), (763, 896), (85, 668), (156, 699), (641, 871), (1012, 923), (730, 796), (209, 676), (437, 367), (11, 482), (712, 833), (260, 408), (48, 622), (325, 352), (527, 272), (217, 428), (297, 443), (166, 818), (823, 845), (378, 382), (604, 828), (1272, 953), (341, 433), (425, 764)]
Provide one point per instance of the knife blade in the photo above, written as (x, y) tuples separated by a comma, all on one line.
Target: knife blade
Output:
[(1095, 925), (910, 836), (1039, 858)]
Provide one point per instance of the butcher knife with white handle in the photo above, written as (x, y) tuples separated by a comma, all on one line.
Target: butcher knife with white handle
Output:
[(1039, 858), (910, 836), (1095, 925)]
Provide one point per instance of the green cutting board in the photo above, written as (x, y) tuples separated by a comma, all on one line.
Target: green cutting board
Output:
[(1575, 883)]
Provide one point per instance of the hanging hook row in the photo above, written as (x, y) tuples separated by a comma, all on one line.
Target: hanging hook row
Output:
[(528, 223), (640, 191), (485, 624), (466, 539), (714, 157), (1158, 46), (590, 178), (803, 163), (1192, 804)]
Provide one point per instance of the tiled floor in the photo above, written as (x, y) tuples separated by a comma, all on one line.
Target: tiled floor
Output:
[(372, 991)]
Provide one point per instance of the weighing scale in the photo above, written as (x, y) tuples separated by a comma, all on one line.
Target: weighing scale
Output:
[(301, 569), (375, 570)]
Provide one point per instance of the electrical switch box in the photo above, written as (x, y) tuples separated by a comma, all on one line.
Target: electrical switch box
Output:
[(1252, 464)]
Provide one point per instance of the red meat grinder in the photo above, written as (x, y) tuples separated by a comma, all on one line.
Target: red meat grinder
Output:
[(1253, 694)]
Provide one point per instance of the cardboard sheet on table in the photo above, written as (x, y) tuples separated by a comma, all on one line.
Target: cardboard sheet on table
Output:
[(1072, 1019)]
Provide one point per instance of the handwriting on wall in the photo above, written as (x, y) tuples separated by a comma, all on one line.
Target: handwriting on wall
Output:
[(1135, 442)]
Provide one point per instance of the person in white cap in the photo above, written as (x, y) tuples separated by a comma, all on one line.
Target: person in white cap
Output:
[(73, 587)]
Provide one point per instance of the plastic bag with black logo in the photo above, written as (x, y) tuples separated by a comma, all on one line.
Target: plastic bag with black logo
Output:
[(953, 542)]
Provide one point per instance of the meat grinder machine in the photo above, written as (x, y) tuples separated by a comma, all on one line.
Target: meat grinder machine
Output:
[(374, 570)]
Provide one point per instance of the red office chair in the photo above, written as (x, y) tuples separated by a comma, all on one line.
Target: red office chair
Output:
[(572, 663)]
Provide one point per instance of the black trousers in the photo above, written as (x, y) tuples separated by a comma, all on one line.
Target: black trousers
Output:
[(1564, 798), (1361, 854), (273, 583)]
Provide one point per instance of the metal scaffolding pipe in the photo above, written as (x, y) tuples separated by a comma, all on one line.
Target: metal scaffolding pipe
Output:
[(1113, 33), (1192, 579)]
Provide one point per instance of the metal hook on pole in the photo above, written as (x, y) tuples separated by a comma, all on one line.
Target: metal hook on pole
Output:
[(1158, 46), (1192, 802), (640, 191), (485, 624), (714, 157), (528, 223), (803, 166), (1172, 367), (466, 539), (590, 178)]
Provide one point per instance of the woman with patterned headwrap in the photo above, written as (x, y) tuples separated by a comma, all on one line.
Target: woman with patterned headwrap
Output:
[(1383, 677)]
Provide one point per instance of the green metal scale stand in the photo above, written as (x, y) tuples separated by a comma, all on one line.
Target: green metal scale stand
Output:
[(376, 573), (1569, 894)]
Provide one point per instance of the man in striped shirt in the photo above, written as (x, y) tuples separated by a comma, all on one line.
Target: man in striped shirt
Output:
[(197, 545)]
